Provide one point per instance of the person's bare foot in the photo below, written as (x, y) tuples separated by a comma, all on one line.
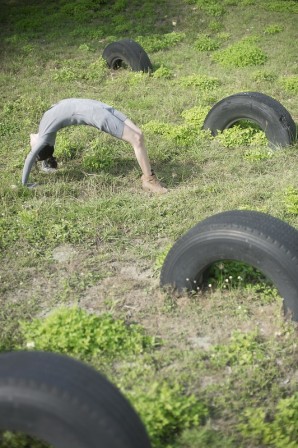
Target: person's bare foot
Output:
[(152, 184)]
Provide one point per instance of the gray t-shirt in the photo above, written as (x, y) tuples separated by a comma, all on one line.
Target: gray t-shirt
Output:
[(72, 112)]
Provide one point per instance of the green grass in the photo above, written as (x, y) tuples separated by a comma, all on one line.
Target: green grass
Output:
[(89, 237)]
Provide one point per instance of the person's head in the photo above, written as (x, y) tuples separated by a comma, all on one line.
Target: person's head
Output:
[(46, 152)]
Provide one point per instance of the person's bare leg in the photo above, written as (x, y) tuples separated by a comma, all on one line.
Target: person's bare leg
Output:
[(133, 135)]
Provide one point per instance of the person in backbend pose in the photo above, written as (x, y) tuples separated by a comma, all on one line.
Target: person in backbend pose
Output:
[(76, 111)]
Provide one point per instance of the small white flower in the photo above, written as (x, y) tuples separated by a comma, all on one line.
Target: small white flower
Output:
[(187, 279), (227, 280), (239, 278), (230, 277), (209, 286), (30, 344)]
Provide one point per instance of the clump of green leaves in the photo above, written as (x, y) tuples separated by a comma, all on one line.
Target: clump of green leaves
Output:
[(284, 6), (230, 275), (180, 134), (74, 332), (291, 200), (196, 115), (98, 157), (206, 43), (162, 72), (241, 135), (273, 29), (159, 260), (166, 410), (243, 349), (279, 430), (156, 42), (64, 149), (204, 82), (233, 272), (97, 70), (205, 437), (223, 36), (15, 440), (257, 155), (211, 7), (241, 54), (75, 70), (215, 26), (263, 75), (183, 134), (290, 83)]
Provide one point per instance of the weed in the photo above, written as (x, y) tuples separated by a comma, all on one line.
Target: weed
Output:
[(166, 410), (66, 74), (211, 7), (241, 135), (241, 54), (85, 47), (263, 75), (243, 349), (18, 440), (204, 82), (196, 115), (205, 437), (162, 72), (215, 26), (99, 157), (64, 148), (257, 155), (234, 273), (223, 36), (75, 70), (273, 29), (279, 430), (156, 42), (160, 258), (206, 43), (285, 6), (290, 84), (76, 333), (291, 200)]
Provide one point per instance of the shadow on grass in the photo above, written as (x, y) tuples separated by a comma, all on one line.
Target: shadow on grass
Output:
[(172, 173)]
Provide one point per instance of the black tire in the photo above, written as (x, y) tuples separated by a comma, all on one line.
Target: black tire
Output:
[(128, 52), (258, 239), (266, 112), (65, 403)]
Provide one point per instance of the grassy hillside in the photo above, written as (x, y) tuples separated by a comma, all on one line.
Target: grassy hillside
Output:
[(223, 368)]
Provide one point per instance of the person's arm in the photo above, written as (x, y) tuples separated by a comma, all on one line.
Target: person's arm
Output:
[(30, 159)]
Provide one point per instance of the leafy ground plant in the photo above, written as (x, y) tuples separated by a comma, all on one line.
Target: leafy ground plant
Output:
[(74, 332), (206, 43), (290, 84), (242, 134), (280, 429), (291, 200), (241, 54)]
